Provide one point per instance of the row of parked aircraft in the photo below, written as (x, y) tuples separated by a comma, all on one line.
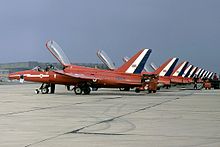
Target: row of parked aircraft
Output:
[(132, 74)]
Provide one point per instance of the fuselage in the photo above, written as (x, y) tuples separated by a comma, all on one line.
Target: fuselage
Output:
[(101, 78)]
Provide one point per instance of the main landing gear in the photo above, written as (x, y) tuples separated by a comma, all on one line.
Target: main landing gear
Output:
[(82, 89), (50, 88), (46, 88), (124, 89)]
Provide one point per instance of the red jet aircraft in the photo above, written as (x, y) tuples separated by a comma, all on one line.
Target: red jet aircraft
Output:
[(82, 78), (164, 71)]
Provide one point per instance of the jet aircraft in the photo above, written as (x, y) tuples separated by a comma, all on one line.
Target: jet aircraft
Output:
[(164, 71), (85, 78)]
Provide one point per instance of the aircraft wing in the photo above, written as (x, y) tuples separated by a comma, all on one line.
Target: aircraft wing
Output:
[(77, 76)]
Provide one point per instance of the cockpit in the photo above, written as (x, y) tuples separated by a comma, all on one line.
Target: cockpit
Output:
[(38, 68), (49, 67)]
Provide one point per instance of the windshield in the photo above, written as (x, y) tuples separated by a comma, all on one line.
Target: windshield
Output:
[(57, 51), (37, 68), (105, 59)]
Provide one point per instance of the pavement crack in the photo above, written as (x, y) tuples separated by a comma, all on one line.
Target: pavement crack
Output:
[(79, 130), (110, 134)]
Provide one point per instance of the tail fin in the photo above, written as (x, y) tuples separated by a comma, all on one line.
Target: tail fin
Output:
[(136, 63), (201, 72), (187, 71), (211, 75), (206, 76), (204, 73), (167, 67), (193, 72), (126, 58), (198, 72), (179, 70)]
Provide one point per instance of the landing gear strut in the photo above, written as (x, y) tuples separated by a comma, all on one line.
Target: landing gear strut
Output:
[(44, 89), (86, 90)]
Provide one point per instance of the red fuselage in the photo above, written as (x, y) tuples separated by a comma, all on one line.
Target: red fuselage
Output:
[(100, 78)]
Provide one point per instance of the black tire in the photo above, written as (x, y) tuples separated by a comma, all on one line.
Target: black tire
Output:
[(44, 90), (127, 89), (78, 90), (149, 91), (137, 90), (154, 91), (37, 91), (87, 90), (124, 89)]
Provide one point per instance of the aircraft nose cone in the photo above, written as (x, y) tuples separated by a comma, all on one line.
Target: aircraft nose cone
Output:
[(13, 76)]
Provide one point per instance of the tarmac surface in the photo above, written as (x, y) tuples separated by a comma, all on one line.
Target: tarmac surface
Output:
[(108, 118)]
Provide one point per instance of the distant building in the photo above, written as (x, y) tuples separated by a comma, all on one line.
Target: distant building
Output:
[(4, 72)]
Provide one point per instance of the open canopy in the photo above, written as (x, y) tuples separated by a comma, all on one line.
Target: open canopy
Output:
[(57, 52), (106, 60)]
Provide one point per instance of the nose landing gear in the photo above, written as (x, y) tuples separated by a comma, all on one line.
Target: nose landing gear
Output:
[(45, 88)]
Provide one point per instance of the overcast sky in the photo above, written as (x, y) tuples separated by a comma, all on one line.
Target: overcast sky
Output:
[(188, 29)]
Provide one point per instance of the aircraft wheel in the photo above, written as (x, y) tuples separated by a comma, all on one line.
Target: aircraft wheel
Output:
[(44, 90), (137, 90), (127, 89), (87, 90), (78, 90), (124, 89), (37, 91)]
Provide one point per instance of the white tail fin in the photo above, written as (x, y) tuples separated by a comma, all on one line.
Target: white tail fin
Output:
[(179, 70), (193, 72), (167, 67), (187, 71), (136, 63)]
